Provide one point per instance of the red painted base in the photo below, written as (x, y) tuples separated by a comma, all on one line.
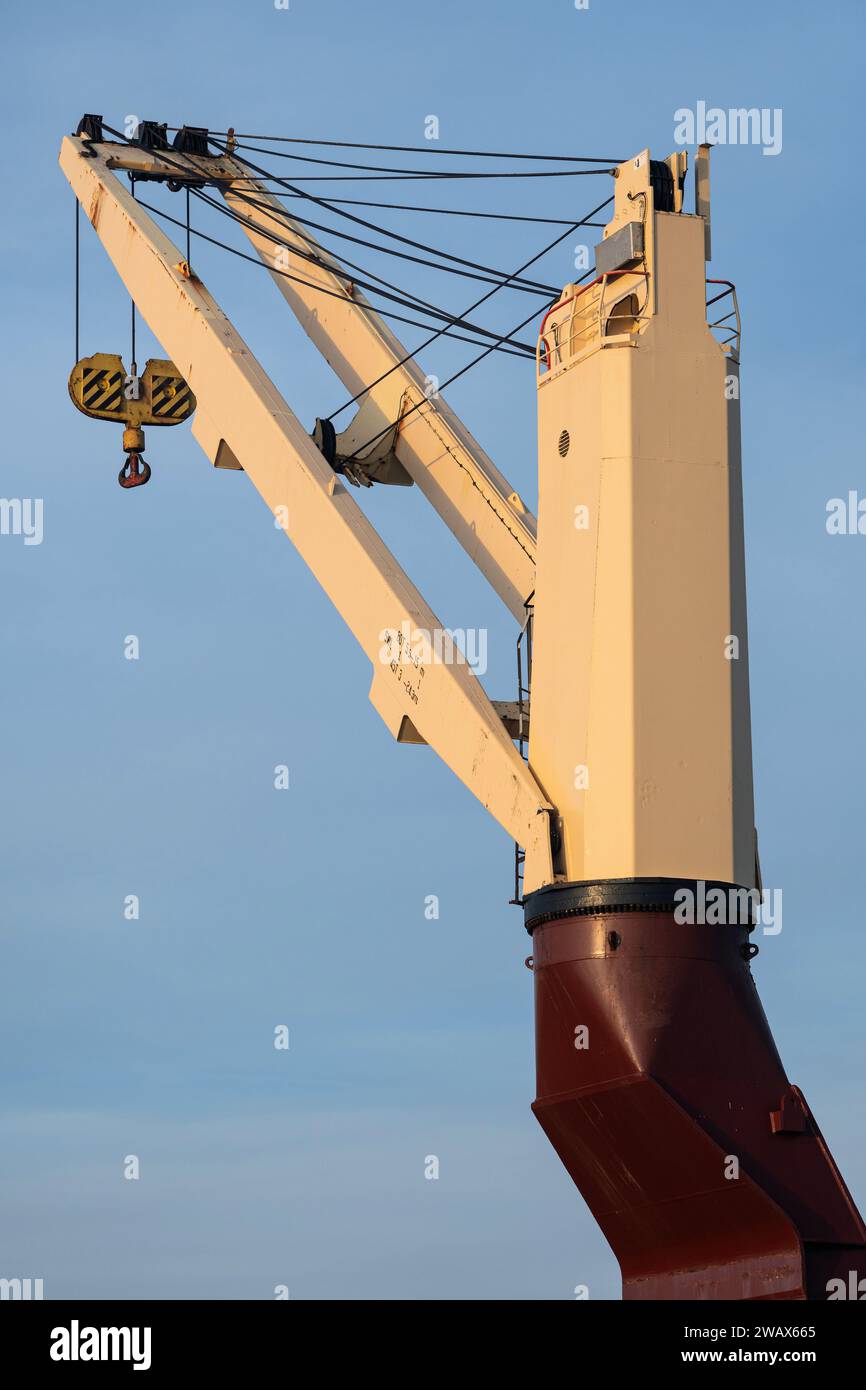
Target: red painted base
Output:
[(672, 1112)]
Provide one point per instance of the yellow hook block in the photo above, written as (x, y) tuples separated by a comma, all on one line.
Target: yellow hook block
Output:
[(100, 387)]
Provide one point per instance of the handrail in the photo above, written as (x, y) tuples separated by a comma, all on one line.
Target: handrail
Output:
[(720, 325), (553, 344), (561, 303)]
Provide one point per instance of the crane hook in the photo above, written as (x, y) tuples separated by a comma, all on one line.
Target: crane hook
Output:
[(135, 472)]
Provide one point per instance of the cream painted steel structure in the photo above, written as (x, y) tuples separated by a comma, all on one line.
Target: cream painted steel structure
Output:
[(640, 723), (241, 418)]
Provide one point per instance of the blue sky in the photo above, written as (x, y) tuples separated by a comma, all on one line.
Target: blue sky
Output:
[(306, 908)]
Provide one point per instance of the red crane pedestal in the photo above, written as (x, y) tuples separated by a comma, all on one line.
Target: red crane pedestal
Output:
[(660, 1087)]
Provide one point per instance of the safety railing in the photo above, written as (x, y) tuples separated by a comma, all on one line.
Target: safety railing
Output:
[(592, 315), (588, 318), (724, 321)]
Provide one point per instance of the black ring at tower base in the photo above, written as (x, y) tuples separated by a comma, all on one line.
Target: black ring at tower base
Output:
[(601, 895)]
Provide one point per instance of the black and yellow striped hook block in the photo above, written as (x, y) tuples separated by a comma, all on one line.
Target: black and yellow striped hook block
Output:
[(101, 387)]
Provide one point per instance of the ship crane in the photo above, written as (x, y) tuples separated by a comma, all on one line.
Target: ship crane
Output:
[(658, 1081)]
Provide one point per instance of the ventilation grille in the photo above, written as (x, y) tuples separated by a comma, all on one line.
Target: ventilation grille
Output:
[(564, 443)]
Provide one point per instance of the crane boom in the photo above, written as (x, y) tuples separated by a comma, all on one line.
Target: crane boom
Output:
[(243, 420), (429, 445), (486, 515)]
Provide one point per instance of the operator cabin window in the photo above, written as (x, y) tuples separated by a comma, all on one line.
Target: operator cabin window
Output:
[(623, 317)]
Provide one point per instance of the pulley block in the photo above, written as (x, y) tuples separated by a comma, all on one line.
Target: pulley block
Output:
[(101, 387)]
